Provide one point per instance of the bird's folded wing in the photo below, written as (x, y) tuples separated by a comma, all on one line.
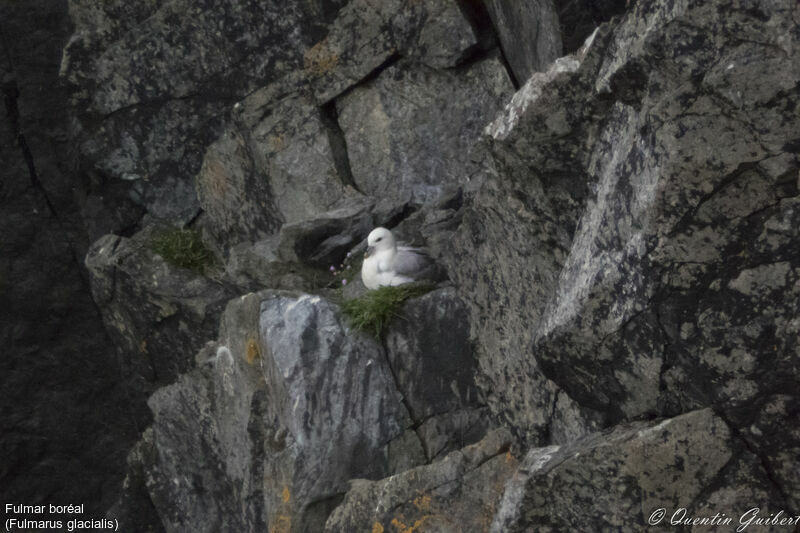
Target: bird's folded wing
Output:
[(411, 262)]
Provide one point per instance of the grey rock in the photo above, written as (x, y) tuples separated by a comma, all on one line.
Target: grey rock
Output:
[(630, 198), (406, 130), (234, 194), (335, 385), (529, 34), (288, 405), (134, 509), (443, 433), (458, 493), (281, 161), (180, 49), (366, 35), (433, 365), (157, 314), (674, 224), (151, 86), (768, 432), (618, 480), (149, 155), (325, 240), (282, 411), (257, 266), (293, 147)]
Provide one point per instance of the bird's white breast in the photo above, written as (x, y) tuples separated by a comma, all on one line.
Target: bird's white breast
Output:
[(369, 273)]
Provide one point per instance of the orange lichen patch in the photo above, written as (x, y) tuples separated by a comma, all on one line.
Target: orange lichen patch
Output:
[(281, 524), (377, 527), (423, 502), (485, 522), (510, 458), (276, 143), (286, 495), (215, 178), (251, 352), (320, 59), (402, 528)]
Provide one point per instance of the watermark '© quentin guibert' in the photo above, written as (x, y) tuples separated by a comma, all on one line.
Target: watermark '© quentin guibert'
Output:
[(749, 519)]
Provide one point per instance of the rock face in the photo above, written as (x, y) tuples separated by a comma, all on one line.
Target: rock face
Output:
[(615, 346), (151, 84), (367, 35), (686, 466), (529, 34), (408, 148), (460, 492), (434, 367), (284, 409), (650, 238), (158, 315), (65, 421)]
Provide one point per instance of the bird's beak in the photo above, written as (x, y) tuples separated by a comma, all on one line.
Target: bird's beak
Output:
[(370, 251)]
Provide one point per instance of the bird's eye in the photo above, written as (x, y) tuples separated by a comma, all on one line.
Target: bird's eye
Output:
[(379, 239)]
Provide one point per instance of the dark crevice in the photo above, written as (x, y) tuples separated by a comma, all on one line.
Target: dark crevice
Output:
[(11, 95), (158, 102), (416, 422), (474, 55), (460, 475), (548, 429), (338, 143), (771, 477), (316, 513), (477, 14), (372, 75)]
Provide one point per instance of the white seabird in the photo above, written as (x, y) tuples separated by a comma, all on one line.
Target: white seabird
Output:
[(387, 264)]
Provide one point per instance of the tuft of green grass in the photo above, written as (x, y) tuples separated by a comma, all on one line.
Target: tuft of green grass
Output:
[(375, 310), (184, 248)]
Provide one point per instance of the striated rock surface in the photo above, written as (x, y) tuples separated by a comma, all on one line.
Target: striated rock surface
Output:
[(629, 161), (284, 409), (529, 34)]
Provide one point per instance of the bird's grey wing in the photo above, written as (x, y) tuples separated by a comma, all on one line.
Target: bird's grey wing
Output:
[(412, 262)]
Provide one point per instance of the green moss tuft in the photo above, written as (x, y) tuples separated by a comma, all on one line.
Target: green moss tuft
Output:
[(375, 310), (184, 248)]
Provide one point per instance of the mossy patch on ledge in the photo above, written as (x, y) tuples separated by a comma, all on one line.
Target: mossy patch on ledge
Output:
[(373, 312), (184, 248)]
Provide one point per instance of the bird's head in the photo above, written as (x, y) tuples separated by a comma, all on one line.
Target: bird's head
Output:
[(380, 239)]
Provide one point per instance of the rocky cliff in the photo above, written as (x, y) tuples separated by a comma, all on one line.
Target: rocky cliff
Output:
[(613, 189)]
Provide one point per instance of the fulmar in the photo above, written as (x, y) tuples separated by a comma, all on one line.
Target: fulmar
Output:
[(387, 264)]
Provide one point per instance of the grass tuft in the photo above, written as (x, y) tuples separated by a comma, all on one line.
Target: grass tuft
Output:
[(375, 310), (184, 248)]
